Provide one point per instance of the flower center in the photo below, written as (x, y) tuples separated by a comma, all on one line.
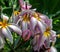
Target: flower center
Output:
[(26, 18), (3, 24), (47, 32)]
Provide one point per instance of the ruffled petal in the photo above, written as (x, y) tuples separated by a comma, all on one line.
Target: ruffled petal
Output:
[(15, 29), (6, 32)]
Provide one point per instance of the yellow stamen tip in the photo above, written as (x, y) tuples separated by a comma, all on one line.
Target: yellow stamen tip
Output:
[(16, 13), (58, 35)]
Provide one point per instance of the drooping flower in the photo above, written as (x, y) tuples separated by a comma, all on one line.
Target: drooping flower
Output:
[(46, 34), (29, 23), (5, 28), (28, 20), (37, 25)]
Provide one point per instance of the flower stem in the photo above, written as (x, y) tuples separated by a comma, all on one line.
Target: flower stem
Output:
[(12, 49)]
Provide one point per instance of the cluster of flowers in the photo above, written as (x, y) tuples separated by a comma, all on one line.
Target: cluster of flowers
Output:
[(29, 23)]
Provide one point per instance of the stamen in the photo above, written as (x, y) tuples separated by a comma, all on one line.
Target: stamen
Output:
[(26, 18), (46, 33), (36, 16), (3, 24), (58, 35), (16, 13)]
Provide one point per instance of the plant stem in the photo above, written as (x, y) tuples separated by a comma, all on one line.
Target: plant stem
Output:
[(12, 49)]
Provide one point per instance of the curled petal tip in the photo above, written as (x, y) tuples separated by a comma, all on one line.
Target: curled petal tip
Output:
[(4, 17)]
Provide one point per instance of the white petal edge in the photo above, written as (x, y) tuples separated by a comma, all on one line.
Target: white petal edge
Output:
[(4, 17), (33, 22), (53, 49), (6, 32), (16, 29)]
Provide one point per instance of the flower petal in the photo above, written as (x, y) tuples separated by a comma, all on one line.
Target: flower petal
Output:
[(24, 26), (26, 35), (7, 34), (16, 29), (42, 26), (35, 42), (33, 22), (53, 38), (24, 6), (21, 2), (53, 49), (5, 17), (51, 24), (44, 17), (1, 42)]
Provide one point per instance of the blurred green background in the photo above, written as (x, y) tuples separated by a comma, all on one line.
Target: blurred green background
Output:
[(50, 8)]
